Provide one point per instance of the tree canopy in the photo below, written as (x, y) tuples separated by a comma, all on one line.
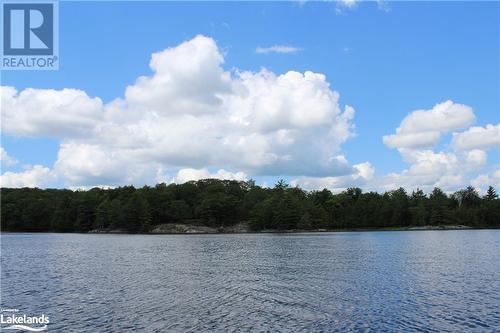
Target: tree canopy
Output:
[(222, 203)]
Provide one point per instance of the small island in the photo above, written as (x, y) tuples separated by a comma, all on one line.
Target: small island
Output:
[(228, 206)]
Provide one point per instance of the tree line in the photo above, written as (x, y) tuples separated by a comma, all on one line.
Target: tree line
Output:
[(222, 203)]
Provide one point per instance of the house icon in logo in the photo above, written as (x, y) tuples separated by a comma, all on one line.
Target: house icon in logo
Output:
[(28, 29), (29, 34)]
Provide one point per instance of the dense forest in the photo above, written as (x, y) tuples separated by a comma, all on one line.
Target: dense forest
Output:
[(221, 203)]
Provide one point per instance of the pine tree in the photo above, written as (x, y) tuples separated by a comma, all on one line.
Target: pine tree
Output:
[(491, 194)]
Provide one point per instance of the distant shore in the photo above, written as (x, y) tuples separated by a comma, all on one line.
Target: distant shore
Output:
[(176, 229), (212, 206), (242, 228)]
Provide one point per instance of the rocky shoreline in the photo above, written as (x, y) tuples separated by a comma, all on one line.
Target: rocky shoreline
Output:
[(242, 228)]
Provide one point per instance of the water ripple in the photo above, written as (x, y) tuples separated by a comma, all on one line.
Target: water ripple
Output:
[(427, 281)]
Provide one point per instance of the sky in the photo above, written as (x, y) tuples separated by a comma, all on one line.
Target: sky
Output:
[(377, 95)]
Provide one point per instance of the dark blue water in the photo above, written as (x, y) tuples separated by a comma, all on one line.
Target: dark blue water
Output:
[(430, 281)]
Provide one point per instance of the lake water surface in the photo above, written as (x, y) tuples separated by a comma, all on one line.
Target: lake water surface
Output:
[(430, 281)]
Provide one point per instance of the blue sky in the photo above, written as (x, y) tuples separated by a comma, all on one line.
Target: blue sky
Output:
[(384, 62)]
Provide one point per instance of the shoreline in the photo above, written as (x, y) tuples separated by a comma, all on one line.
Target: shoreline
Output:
[(294, 231)]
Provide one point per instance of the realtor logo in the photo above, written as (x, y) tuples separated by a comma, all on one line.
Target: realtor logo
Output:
[(29, 35)]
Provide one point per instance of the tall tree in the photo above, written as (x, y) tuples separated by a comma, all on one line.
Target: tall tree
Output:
[(491, 194)]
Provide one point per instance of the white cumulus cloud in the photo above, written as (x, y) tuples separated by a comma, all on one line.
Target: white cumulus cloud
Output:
[(478, 138), (188, 79), (189, 113), (190, 116), (48, 112), (423, 128), (33, 176)]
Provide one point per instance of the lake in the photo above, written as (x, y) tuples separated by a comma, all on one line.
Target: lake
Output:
[(428, 281)]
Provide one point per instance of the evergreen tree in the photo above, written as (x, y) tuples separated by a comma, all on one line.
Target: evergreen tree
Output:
[(439, 207), (491, 194)]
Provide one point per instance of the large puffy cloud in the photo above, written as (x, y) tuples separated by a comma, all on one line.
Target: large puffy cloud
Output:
[(448, 170), (48, 113), (83, 164), (429, 161), (423, 128), (190, 113), (477, 138), (420, 131), (428, 169), (33, 176), (188, 79)]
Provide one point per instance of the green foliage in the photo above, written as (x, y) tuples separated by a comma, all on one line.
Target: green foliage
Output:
[(491, 194), (102, 218), (220, 203)]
